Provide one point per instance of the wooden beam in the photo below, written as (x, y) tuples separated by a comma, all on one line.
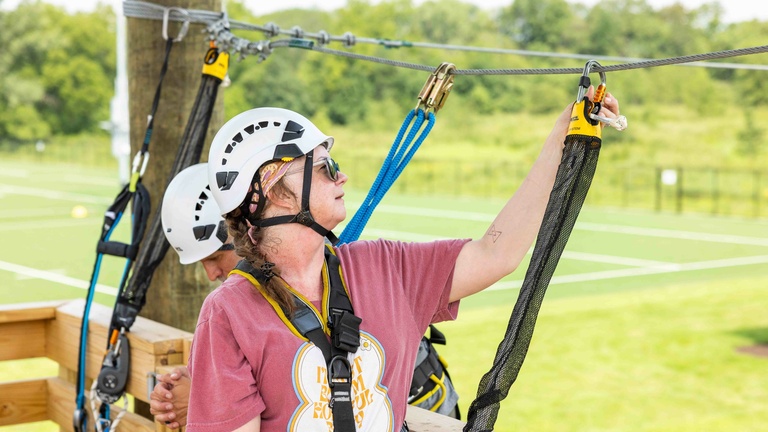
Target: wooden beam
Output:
[(421, 420), (22, 329), (23, 402), (16, 312), (61, 406), (21, 340)]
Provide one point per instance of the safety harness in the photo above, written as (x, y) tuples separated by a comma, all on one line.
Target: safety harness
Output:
[(429, 388), (341, 325)]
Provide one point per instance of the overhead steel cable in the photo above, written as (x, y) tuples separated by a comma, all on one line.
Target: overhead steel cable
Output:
[(147, 10), (553, 71)]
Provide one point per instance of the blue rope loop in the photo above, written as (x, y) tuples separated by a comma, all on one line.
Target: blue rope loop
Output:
[(398, 157)]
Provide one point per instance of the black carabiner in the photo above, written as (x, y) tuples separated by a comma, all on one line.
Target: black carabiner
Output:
[(113, 377)]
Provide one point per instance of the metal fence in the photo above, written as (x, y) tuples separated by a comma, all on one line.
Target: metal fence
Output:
[(715, 190)]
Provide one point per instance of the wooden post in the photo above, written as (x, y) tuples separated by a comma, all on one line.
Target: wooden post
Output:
[(177, 291)]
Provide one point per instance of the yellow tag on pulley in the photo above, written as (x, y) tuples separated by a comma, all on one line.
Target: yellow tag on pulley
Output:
[(216, 63), (580, 123)]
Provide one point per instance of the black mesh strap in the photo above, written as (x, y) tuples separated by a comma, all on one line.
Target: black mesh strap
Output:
[(572, 182), (155, 245)]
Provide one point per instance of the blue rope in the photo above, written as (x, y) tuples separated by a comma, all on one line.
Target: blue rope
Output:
[(397, 158), (86, 321), (87, 312)]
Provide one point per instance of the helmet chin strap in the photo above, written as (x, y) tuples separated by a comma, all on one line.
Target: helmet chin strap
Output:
[(304, 217)]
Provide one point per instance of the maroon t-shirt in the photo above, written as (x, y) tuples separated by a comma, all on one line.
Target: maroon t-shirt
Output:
[(246, 360)]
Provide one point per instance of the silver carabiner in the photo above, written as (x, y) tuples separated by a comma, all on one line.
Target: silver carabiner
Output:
[(140, 161), (184, 25), (585, 81)]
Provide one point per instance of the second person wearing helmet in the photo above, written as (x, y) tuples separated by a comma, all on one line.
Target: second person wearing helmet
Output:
[(193, 225), (253, 367)]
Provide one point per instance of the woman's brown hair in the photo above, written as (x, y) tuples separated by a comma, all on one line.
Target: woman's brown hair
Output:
[(254, 247)]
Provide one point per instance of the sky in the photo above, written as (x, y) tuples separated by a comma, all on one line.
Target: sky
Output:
[(735, 10)]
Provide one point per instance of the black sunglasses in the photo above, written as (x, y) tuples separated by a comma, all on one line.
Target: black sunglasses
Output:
[(331, 168)]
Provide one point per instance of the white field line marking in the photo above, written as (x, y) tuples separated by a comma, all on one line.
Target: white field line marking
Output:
[(60, 272), (69, 178), (642, 271), (93, 181), (583, 277), (51, 194), (53, 277), (14, 172), (448, 214), (579, 256), (676, 234), (34, 212), (47, 224), (585, 226), (611, 259)]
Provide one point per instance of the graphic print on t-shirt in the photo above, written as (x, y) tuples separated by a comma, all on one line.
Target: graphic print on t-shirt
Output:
[(370, 403)]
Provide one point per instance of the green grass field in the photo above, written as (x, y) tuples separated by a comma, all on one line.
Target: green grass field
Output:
[(642, 328)]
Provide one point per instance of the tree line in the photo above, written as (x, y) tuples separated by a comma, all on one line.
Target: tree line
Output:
[(57, 69)]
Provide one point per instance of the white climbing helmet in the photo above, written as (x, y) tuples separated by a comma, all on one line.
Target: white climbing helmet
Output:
[(249, 140), (191, 220)]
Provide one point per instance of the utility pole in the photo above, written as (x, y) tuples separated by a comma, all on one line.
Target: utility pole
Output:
[(176, 292)]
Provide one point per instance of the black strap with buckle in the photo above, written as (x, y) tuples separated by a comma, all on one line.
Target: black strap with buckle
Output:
[(344, 338)]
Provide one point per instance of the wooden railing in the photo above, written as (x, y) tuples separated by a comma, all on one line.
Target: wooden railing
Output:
[(52, 330)]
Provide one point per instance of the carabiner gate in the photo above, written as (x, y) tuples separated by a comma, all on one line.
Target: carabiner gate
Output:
[(585, 82), (184, 25)]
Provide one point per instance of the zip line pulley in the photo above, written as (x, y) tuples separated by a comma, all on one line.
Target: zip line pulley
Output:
[(431, 99)]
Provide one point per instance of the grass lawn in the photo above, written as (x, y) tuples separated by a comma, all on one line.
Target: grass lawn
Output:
[(661, 359)]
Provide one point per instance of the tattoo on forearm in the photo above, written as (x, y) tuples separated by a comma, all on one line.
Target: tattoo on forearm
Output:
[(493, 233)]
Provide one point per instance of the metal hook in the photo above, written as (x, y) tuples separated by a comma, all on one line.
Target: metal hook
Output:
[(184, 26), (437, 88)]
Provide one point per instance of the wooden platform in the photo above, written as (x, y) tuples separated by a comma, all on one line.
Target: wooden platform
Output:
[(52, 330)]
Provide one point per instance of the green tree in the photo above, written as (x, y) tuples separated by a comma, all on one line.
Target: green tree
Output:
[(537, 24), (751, 84), (58, 71), (20, 87), (751, 138)]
